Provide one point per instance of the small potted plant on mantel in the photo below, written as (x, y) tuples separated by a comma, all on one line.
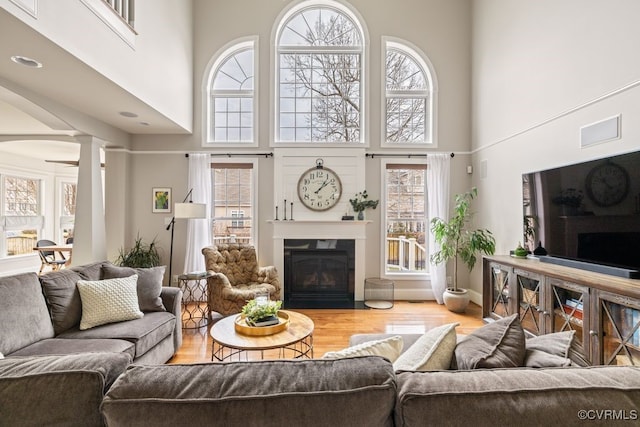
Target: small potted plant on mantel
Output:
[(360, 202), (456, 241)]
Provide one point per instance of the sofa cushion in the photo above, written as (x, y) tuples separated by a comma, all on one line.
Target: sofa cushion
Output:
[(91, 271), (24, 316), (149, 284), (59, 346), (516, 396), (145, 333), (388, 348), (500, 344), (549, 350), (352, 391), (432, 351), (57, 390), (108, 301), (63, 298)]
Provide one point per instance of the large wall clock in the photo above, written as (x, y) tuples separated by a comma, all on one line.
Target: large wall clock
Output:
[(607, 184), (319, 188)]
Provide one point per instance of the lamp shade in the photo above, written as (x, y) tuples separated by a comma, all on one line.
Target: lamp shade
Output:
[(190, 210)]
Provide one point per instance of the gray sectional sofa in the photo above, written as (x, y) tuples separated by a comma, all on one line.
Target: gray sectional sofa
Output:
[(54, 373), (103, 387)]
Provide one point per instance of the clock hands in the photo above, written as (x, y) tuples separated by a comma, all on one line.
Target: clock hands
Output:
[(324, 184)]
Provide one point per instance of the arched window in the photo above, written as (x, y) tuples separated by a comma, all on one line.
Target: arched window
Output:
[(319, 75), (409, 96), (231, 89)]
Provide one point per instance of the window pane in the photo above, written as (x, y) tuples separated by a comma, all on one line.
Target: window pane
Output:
[(406, 223), (321, 80), (408, 115), (234, 74), (233, 199), (21, 198)]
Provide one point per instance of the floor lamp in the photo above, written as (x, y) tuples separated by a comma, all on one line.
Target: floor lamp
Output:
[(184, 210)]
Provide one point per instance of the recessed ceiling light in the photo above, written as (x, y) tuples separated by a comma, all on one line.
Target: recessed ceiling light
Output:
[(128, 114), (27, 62)]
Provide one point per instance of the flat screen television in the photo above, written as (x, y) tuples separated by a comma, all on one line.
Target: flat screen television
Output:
[(586, 215)]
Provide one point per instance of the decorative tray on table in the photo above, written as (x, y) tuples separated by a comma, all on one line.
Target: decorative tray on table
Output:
[(242, 327)]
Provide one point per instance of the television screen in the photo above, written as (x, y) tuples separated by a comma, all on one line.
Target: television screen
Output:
[(588, 211)]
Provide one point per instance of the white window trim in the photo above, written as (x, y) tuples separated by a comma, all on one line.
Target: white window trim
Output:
[(383, 223), (41, 205), (214, 63), (63, 220), (274, 112), (423, 60), (254, 195)]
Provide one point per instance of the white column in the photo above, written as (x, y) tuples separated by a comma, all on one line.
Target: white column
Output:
[(89, 236)]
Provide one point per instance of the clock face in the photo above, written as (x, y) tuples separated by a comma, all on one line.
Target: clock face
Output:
[(319, 188), (607, 184)]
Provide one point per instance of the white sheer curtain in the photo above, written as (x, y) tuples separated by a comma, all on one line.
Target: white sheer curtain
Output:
[(438, 188), (198, 230)]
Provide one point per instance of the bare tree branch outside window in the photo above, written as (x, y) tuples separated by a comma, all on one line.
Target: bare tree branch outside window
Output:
[(320, 78)]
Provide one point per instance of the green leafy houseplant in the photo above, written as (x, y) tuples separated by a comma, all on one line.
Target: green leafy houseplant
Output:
[(456, 241), (256, 312), (140, 255), (360, 202)]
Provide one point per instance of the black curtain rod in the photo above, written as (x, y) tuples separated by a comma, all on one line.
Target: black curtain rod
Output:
[(372, 155), (238, 154)]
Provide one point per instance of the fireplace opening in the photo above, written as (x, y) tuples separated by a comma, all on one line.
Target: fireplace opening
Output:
[(319, 273)]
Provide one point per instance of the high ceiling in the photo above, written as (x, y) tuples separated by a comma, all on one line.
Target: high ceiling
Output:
[(26, 127)]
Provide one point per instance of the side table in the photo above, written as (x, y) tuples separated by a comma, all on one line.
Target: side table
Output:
[(378, 293), (194, 295)]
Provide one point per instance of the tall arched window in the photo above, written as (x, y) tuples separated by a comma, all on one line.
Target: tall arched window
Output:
[(319, 75), (409, 96), (231, 89)]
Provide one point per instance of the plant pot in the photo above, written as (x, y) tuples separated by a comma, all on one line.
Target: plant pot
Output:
[(361, 216), (456, 301)]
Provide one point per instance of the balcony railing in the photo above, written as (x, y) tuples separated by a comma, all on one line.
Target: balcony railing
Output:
[(124, 9), (406, 255)]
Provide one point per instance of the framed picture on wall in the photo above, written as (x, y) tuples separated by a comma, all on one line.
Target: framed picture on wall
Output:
[(161, 200)]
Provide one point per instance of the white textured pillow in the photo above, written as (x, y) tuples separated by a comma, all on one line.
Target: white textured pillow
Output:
[(388, 347), (108, 301), (432, 351)]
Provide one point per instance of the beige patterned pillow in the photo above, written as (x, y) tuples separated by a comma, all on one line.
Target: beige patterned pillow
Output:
[(388, 347), (431, 352), (108, 301)]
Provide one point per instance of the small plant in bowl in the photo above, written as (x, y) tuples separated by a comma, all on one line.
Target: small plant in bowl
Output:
[(261, 313)]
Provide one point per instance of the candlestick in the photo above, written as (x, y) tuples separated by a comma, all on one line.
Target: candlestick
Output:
[(277, 213), (291, 212), (285, 209)]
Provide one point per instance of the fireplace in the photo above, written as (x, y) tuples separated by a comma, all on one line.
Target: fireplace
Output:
[(319, 273)]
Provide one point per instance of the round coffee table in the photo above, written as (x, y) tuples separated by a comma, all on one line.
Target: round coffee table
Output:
[(294, 342)]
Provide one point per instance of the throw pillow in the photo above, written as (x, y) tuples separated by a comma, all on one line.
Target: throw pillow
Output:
[(499, 344), (63, 299), (549, 350), (108, 301), (431, 352), (149, 284), (389, 348)]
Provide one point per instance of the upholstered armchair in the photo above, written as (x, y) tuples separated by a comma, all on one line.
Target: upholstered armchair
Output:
[(236, 277)]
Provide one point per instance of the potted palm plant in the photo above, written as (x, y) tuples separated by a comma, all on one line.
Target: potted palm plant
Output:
[(458, 242), (140, 255)]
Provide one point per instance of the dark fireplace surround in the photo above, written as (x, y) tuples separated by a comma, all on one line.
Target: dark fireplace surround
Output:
[(319, 273)]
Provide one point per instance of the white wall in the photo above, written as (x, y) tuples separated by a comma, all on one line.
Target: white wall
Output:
[(541, 70), (156, 67)]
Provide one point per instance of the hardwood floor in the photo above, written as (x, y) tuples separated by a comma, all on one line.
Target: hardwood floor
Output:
[(333, 327)]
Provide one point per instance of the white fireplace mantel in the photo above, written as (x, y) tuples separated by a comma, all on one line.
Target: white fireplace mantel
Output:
[(314, 229)]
